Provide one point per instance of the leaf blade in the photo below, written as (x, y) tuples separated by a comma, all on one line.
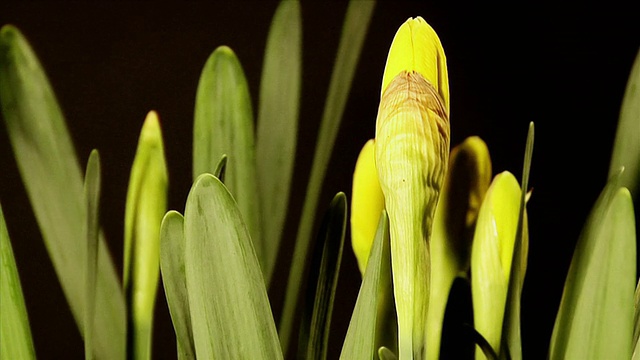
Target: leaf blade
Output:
[(354, 29), (15, 332), (52, 177), (228, 302), (278, 124)]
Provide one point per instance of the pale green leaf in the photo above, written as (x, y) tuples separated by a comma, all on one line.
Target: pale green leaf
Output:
[(53, 180), (221, 168), (626, 146), (595, 319), (511, 339), (385, 354), (325, 268), (354, 29), (360, 341), (230, 310), (223, 124), (636, 324), (145, 207), (278, 125), (92, 181), (15, 333), (172, 266)]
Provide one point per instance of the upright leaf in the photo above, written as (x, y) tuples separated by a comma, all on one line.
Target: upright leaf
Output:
[(595, 319), (172, 266), (511, 324), (354, 29), (53, 180), (92, 181), (626, 151), (15, 333), (228, 301), (360, 341), (278, 124), (146, 205), (224, 125), (325, 268)]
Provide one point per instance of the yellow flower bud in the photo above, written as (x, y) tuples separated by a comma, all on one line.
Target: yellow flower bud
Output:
[(367, 203), (412, 151), (491, 256), (465, 185)]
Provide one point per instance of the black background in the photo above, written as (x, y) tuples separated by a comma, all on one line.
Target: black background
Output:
[(110, 63)]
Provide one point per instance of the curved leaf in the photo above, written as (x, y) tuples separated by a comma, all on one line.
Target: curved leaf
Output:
[(228, 302)]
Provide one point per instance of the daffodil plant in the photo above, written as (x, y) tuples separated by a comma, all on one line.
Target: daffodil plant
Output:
[(423, 213)]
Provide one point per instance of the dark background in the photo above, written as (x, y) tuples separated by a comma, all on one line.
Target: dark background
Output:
[(564, 69)]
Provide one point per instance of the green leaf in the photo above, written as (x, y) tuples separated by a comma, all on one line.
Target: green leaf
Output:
[(92, 181), (224, 125), (385, 354), (636, 324), (278, 125), (53, 180), (228, 301), (511, 324), (361, 338), (172, 266), (354, 29), (626, 151), (325, 268), (15, 334), (595, 319), (221, 168), (145, 207)]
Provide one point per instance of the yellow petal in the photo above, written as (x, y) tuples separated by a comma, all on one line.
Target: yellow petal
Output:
[(367, 203), (417, 48)]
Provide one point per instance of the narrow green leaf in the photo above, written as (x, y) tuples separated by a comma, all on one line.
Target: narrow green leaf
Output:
[(354, 29), (511, 324), (278, 125), (92, 181), (385, 354), (145, 207), (488, 351), (230, 310), (221, 168), (626, 151), (325, 268), (15, 333), (224, 125), (595, 319), (361, 338), (172, 266), (636, 324), (53, 180)]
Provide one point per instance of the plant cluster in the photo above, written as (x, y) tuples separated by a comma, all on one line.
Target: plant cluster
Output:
[(423, 213)]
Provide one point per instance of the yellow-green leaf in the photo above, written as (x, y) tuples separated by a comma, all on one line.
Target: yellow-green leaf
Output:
[(15, 333), (52, 177), (595, 319), (145, 207), (223, 124), (230, 311), (278, 125)]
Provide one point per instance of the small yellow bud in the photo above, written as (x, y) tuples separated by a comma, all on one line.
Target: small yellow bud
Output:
[(367, 203)]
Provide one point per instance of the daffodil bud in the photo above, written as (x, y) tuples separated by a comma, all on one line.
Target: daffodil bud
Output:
[(412, 151), (465, 185), (491, 256), (145, 208), (367, 203)]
